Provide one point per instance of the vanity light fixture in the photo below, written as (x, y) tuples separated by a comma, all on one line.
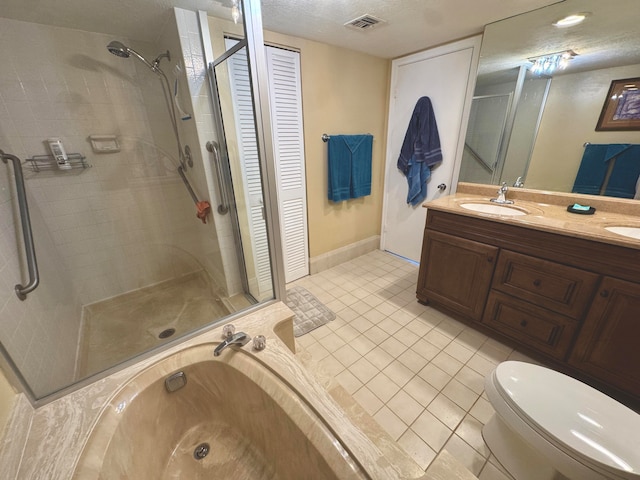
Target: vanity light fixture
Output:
[(549, 63), (571, 20)]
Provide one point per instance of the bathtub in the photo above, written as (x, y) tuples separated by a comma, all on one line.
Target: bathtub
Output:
[(251, 418)]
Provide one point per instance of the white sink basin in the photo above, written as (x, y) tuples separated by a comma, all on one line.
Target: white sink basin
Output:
[(631, 232), (493, 208)]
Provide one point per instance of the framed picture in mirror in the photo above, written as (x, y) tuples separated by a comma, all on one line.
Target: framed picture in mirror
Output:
[(621, 109)]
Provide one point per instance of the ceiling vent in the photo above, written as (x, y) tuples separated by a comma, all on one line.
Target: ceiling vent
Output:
[(364, 22)]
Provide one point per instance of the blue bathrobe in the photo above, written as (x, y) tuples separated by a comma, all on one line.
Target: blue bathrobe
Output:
[(420, 150)]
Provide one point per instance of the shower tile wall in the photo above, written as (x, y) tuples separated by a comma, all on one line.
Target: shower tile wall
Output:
[(123, 224)]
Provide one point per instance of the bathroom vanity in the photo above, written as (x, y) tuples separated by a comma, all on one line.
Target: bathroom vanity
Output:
[(555, 284)]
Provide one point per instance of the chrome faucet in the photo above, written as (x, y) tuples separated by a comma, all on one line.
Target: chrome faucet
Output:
[(502, 195), (518, 183), (239, 338)]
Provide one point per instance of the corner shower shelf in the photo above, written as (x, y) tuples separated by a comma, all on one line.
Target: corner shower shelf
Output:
[(47, 163)]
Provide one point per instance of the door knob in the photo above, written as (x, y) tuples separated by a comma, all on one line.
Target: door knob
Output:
[(442, 187)]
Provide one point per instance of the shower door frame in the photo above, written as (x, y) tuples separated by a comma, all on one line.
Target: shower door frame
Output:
[(258, 75)]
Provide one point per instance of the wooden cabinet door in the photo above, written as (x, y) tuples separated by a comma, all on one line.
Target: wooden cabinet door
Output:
[(608, 345), (456, 273)]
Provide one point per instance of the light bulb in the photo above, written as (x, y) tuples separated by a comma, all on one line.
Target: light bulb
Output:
[(571, 20)]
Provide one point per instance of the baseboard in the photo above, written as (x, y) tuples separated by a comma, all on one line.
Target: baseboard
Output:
[(340, 255)]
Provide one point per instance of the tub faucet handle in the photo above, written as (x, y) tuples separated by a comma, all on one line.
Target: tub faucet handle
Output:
[(259, 342), (228, 330)]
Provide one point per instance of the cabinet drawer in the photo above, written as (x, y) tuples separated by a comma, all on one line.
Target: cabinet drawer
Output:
[(533, 326), (560, 288)]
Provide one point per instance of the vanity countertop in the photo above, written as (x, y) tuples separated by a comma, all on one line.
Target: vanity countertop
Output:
[(547, 211)]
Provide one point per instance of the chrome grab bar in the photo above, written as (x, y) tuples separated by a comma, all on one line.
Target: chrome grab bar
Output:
[(32, 263), (214, 148)]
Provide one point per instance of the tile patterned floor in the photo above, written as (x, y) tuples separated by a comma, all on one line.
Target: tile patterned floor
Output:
[(417, 371)]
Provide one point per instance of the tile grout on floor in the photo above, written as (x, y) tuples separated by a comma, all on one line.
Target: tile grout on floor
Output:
[(418, 372)]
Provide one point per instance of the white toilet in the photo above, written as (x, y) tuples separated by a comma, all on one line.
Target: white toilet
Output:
[(550, 426)]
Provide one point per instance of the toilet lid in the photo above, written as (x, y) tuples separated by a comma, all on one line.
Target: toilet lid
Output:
[(580, 418)]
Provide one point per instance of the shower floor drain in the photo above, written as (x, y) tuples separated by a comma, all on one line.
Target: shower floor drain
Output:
[(167, 333), (201, 451)]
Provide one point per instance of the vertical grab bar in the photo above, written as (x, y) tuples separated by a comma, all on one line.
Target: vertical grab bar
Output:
[(32, 263), (223, 208)]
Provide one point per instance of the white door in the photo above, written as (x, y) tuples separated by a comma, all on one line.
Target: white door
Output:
[(446, 75), (285, 98)]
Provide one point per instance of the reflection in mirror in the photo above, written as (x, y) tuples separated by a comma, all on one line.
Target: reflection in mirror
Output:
[(541, 133), (127, 263)]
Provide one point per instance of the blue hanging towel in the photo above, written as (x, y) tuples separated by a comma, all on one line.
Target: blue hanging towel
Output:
[(349, 166), (594, 165), (623, 179), (417, 177), (420, 150)]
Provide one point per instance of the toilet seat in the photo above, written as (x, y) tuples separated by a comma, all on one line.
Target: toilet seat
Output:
[(587, 426)]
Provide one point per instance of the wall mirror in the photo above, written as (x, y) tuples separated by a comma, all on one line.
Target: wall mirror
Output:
[(536, 126)]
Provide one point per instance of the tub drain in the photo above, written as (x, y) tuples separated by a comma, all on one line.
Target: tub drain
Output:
[(201, 451), (167, 333)]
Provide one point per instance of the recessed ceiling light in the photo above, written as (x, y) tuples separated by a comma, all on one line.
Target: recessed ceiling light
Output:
[(571, 20)]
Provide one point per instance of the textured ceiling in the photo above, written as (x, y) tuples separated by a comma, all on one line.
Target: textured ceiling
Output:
[(411, 25), (610, 36)]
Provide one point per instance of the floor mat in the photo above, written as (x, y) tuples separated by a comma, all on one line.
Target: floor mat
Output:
[(310, 313)]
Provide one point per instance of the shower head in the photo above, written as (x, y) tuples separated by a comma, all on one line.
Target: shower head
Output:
[(121, 50), (118, 49)]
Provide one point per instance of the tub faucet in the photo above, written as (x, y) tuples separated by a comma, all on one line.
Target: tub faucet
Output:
[(502, 195), (239, 338)]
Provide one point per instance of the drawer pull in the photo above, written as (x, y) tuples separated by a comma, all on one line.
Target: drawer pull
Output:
[(489, 259), (537, 283), (523, 323), (604, 293)]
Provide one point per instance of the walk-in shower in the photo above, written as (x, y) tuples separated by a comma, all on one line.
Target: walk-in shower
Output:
[(125, 264)]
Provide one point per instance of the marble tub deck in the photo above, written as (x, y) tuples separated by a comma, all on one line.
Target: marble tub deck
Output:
[(47, 442)]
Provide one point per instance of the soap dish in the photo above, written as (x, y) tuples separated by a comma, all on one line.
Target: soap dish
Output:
[(590, 211)]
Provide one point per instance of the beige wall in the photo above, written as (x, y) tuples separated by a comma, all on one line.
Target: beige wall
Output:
[(7, 397), (343, 92), (569, 120)]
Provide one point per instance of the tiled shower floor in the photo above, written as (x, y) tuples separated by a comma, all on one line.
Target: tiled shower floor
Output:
[(417, 371), (121, 327)]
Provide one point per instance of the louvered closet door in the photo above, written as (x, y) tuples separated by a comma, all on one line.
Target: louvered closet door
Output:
[(260, 286), (286, 119)]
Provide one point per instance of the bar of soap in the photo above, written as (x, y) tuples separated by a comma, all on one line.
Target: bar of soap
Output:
[(583, 208)]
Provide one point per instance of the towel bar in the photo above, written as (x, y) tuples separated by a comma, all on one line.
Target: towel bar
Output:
[(325, 137)]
